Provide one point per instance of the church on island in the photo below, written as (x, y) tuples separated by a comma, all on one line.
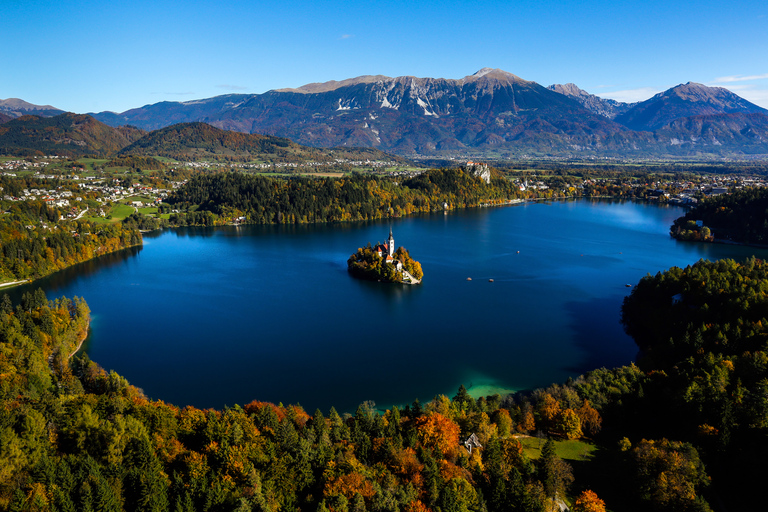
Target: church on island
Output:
[(389, 249), (385, 263)]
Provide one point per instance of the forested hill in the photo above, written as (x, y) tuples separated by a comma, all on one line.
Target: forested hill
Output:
[(739, 217), (704, 334), (267, 200), (194, 141), (65, 135)]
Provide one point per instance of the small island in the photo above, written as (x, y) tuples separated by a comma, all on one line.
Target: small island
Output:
[(385, 264)]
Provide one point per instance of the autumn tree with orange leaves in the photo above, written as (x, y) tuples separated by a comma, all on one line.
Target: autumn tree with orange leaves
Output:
[(439, 433), (588, 502)]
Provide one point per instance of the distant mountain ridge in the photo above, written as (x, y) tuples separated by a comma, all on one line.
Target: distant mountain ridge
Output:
[(685, 100), (407, 115), (747, 133), (14, 107), (490, 113)]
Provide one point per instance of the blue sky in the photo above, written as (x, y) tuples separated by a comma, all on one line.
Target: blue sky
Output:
[(91, 56)]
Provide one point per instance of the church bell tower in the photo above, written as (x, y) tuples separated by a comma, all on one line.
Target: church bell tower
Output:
[(391, 243)]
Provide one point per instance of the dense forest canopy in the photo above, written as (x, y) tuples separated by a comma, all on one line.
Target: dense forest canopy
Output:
[(266, 200), (704, 340)]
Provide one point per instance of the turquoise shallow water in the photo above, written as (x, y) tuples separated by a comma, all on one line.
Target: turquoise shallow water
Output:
[(214, 317)]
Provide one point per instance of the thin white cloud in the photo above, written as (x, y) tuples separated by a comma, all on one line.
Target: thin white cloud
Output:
[(742, 87), (232, 87), (347, 36), (631, 95), (739, 78)]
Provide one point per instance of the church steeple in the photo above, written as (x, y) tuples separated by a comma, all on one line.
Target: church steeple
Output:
[(391, 243)]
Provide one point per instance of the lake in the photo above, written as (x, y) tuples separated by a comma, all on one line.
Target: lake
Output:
[(221, 316)]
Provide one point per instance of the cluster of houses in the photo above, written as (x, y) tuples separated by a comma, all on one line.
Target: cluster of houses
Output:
[(688, 193), (673, 191), (59, 198), (104, 192), (24, 165), (309, 166)]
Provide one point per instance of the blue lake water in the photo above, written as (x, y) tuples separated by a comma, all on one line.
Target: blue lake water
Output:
[(215, 317)]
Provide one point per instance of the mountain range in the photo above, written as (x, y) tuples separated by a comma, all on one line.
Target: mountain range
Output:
[(491, 113)]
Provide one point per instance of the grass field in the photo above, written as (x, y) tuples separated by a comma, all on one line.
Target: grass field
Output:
[(100, 220), (118, 213), (121, 211), (573, 449), (90, 162), (324, 174), (143, 199)]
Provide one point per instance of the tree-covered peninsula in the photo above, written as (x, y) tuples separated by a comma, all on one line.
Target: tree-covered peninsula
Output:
[(267, 200), (736, 217), (384, 263)]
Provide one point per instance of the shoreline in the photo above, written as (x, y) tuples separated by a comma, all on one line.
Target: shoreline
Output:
[(14, 283), (724, 242), (32, 280), (504, 202), (83, 337)]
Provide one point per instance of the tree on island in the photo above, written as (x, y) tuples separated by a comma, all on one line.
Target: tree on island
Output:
[(412, 266)]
